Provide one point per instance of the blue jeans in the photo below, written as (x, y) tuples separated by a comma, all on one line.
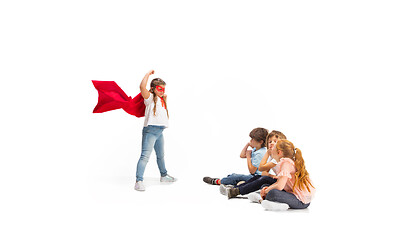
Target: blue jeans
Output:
[(276, 195), (152, 138), (234, 178)]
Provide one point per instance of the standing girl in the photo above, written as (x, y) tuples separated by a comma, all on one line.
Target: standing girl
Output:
[(293, 188), (155, 121)]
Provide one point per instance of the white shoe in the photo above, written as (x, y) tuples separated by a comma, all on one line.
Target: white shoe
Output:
[(224, 189), (139, 186), (168, 178), (274, 206), (254, 197)]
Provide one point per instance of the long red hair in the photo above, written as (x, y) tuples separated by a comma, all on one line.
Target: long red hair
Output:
[(302, 180)]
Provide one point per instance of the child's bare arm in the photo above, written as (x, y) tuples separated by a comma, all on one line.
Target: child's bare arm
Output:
[(266, 166), (280, 184), (244, 151), (143, 86), (263, 166)]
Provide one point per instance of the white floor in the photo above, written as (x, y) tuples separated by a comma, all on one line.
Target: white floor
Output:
[(111, 209)]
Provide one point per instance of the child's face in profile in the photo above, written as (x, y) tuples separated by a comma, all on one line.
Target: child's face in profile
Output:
[(276, 154), (254, 143), (272, 142)]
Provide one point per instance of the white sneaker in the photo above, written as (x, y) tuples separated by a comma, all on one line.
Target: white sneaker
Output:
[(168, 178), (224, 189), (139, 186), (274, 206), (254, 197)]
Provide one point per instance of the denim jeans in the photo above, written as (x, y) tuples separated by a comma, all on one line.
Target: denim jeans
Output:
[(255, 184), (234, 178), (276, 195), (152, 138)]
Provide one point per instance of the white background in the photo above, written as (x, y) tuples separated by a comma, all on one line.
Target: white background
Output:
[(337, 77)]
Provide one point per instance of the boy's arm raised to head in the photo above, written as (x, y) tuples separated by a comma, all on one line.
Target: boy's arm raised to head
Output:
[(143, 86), (244, 151)]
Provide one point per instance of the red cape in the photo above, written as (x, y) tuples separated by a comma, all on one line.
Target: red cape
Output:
[(112, 97)]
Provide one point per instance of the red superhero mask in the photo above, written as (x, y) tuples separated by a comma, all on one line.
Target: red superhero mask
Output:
[(160, 88)]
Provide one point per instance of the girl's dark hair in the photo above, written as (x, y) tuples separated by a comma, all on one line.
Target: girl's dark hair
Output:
[(157, 82), (259, 134)]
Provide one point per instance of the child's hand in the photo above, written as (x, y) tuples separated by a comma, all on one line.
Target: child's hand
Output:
[(263, 192), (249, 153), (150, 72)]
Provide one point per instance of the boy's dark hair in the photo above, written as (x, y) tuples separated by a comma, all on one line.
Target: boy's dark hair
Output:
[(259, 134)]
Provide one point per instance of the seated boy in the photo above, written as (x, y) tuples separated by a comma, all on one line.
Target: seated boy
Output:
[(254, 157)]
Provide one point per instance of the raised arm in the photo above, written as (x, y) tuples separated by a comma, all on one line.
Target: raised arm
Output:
[(143, 86), (244, 151), (266, 166)]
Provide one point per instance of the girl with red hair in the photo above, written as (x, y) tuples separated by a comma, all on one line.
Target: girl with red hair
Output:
[(293, 189)]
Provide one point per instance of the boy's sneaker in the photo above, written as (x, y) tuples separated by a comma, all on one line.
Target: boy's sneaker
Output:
[(233, 192), (274, 206), (254, 197), (224, 189), (168, 178), (209, 180), (139, 186)]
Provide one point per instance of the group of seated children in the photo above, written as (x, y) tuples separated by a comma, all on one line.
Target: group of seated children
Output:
[(277, 175)]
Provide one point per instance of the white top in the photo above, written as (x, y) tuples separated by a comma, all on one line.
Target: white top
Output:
[(271, 159), (161, 118)]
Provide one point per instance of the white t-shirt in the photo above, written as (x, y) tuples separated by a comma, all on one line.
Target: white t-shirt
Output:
[(161, 118), (271, 159)]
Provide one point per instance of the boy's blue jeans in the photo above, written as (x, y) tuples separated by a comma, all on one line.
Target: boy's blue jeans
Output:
[(152, 138), (234, 178)]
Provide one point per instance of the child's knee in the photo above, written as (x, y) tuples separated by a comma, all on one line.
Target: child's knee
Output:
[(144, 158), (275, 195)]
